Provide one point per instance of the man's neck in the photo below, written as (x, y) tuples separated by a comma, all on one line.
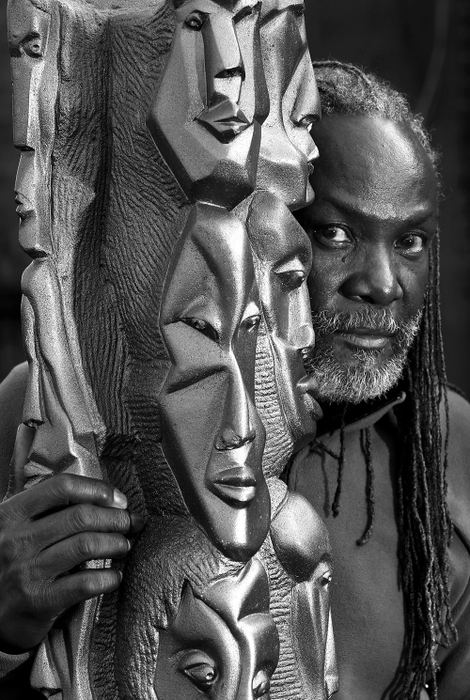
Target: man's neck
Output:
[(337, 415)]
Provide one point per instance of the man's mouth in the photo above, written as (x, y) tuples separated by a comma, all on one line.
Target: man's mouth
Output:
[(365, 338)]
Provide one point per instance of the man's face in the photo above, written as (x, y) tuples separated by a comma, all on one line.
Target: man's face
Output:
[(212, 435), (371, 228)]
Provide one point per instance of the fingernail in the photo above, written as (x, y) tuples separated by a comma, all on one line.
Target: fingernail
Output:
[(119, 500)]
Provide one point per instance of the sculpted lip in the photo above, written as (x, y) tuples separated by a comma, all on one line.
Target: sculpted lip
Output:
[(225, 116), (236, 484), (312, 406), (307, 387)]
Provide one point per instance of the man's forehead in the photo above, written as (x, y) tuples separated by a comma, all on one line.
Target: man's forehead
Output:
[(211, 6), (375, 166)]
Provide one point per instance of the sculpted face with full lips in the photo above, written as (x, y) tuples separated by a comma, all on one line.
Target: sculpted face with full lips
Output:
[(212, 435), (371, 228)]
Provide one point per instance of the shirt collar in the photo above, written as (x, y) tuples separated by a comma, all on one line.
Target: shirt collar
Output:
[(362, 416)]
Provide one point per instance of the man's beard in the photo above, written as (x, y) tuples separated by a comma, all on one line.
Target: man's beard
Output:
[(365, 375)]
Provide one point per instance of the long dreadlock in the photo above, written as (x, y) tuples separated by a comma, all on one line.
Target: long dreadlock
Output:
[(423, 521)]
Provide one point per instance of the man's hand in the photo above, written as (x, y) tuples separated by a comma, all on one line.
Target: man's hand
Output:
[(46, 532)]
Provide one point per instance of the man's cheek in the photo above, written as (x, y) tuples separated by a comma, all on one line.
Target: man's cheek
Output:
[(322, 296)]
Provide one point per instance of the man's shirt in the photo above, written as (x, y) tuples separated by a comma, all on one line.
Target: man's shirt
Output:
[(367, 605)]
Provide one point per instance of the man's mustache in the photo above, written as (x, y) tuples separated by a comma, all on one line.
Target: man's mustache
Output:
[(369, 318)]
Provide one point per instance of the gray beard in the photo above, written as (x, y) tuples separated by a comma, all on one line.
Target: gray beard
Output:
[(366, 376)]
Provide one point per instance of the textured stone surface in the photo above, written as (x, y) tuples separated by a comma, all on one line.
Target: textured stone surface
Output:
[(117, 215)]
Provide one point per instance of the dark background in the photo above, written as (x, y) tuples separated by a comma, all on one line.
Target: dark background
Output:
[(423, 48)]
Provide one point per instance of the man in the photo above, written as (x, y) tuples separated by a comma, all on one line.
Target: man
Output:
[(354, 270), (390, 427)]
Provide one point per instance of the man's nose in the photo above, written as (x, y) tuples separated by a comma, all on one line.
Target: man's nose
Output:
[(374, 280), (236, 427)]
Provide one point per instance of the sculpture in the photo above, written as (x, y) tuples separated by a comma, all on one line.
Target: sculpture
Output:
[(210, 317), (174, 275), (287, 151), (209, 131), (186, 628)]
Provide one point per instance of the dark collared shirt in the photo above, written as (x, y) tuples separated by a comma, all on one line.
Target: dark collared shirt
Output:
[(367, 604)]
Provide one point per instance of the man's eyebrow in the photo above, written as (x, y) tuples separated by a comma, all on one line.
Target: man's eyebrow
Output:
[(420, 215)]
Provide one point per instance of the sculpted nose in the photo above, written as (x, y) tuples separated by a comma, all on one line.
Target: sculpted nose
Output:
[(228, 439), (235, 427), (374, 282), (223, 60)]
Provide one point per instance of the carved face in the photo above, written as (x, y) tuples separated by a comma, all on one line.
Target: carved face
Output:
[(220, 100), (222, 644), (212, 436), (287, 149), (283, 258), (29, 37)]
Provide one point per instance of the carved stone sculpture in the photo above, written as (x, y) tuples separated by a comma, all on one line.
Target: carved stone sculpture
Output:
[(210, 317), (192, 625), (167, 322)]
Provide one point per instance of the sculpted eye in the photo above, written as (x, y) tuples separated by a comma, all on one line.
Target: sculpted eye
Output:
[(195, 20), (307, 121), (292, 279), (203, 675), (293, 272), (323, 575), (32, 46), (332, 235), (199, 667), (325, 579), (261, 684), (412, 244), (251, 323), (202, 326)]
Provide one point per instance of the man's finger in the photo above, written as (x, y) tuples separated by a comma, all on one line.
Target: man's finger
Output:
[(60, 491), (67, 554), (75, 588), (83, 518)]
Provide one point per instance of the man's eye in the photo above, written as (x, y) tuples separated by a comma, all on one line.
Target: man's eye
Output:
[(332, 236), (412, 244), (202, 326)]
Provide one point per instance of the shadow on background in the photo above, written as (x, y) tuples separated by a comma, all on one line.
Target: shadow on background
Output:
[(423, 48)]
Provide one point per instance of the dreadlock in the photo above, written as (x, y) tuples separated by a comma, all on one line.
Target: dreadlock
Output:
[(423, 521)]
